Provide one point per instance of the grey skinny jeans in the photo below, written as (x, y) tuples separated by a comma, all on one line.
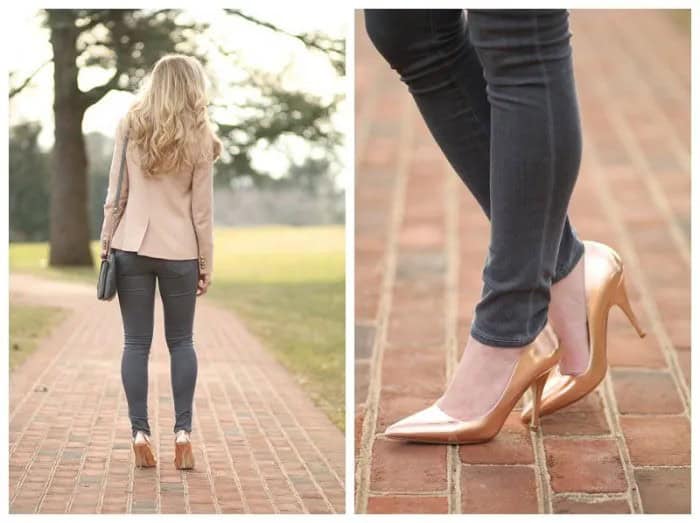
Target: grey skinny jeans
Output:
[(136, 285), (496, 89)]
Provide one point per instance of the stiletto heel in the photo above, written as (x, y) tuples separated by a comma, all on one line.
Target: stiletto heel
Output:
[(621, 299), (605, 287), (536, 388)]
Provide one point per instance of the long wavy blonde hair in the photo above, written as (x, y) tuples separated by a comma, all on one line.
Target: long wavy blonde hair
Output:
[(169, 122)]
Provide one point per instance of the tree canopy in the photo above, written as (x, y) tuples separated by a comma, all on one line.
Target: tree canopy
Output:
[(125, 43)]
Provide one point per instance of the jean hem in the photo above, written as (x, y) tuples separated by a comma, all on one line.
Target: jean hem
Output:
[(504, 343)]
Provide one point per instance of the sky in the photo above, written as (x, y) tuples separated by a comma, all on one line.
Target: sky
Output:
[(263, 49)]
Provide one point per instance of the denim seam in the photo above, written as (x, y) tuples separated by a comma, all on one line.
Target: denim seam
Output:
[(483, 136), (550, 143)]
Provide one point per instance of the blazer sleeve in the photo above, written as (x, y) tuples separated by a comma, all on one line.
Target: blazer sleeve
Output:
[(111, 219), (202, 213)]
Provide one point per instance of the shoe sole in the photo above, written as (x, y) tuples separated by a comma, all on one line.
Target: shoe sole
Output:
[(184, 458), (143, 456), (437, 440)]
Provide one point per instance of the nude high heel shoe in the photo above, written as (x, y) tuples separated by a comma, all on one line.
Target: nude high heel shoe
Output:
[(605, 287), (143, 452), (184, 458), (433, 425)]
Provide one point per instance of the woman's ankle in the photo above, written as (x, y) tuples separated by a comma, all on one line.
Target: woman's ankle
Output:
[(567, 315)]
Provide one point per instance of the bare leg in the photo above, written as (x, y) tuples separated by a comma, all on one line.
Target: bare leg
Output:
[(567, 314)]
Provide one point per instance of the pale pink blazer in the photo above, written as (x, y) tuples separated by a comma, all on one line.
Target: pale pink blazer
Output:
[(168, 215)]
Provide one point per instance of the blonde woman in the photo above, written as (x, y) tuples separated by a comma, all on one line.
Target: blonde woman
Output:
[(163, 232)]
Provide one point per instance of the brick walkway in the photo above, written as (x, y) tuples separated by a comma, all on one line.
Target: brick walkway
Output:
[(420, 242), (261, 446)]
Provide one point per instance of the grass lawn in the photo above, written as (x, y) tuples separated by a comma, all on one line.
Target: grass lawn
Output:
[(28, 323), (287, 283)]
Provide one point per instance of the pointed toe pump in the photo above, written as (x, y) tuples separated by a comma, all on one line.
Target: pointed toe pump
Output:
[(143, 452), (433, 425), (605, 287)]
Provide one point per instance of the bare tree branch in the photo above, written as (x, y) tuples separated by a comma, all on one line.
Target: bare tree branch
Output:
[(16, 90), (334, 49), (96, 93)]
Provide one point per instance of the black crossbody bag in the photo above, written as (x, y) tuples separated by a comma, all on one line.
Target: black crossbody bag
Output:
[(107, 279)]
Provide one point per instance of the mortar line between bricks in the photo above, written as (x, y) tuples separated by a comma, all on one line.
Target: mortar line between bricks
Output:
[(631, 259), (580, 437), (124, 414), (384, 309), (613, 414), (645, 370), (185, 492), (406, 494), (596, 497), (658, 196), (639, 159), (275, 457), (253, 461), (610, 407), (620, 41), (292, 446), (500, 465), (220, 430), (75, 336), (25, 472), (205, 457), (301, 428), (362, 131), (95, 417), (159, 462), (670, 356), (32, 389), (662, 467), (671, 134), (108, 461), (454, 499), (30, 462), (273, 451), (542, 483), (672, 80), (130, 491)]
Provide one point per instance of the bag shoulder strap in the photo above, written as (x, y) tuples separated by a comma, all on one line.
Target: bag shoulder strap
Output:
[(115, 207), (121, 173)]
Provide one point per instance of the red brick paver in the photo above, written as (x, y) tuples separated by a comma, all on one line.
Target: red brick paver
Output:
[(261, 446), (420, 243)]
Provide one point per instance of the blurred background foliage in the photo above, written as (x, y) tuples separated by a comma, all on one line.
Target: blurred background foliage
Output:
[(255, 112)]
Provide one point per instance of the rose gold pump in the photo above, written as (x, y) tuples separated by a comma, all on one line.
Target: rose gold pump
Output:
[(184, 458), (143, 451), (433, 425), (605, 287)]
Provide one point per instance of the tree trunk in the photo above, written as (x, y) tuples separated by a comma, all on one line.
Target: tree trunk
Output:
[(69, 231)]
